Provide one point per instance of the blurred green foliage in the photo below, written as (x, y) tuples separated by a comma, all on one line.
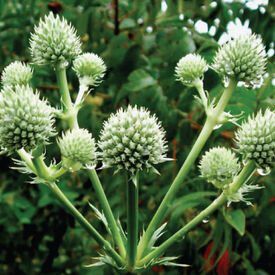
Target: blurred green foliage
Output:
[(141, 44)]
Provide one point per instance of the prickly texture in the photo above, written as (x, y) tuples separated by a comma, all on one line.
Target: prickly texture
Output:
[(16, 73), (90, 69), (219, 166), (243, 59), (190, 68), (54, 41), (77, 149), (25, 120), (256, 139), (132, 139)]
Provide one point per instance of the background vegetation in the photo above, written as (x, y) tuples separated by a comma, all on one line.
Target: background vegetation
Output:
[(141, 41)]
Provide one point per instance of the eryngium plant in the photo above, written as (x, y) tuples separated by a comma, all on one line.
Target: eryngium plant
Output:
[(26, 121), (131, 139)]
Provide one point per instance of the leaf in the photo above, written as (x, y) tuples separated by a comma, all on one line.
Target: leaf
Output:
[(140, 79), (236, 219), (127, 23)]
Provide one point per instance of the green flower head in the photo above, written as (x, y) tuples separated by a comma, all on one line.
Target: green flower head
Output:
[(243, 59), (25, 120), (219, 166), (54, 42), (132, 139)]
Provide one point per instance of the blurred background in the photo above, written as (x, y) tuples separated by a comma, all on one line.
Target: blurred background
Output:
[(140, 41)]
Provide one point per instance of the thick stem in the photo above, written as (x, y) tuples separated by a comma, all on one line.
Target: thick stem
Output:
[(85, 224), (246, 173), (41, 168), (107, 211), (207, 129), (132, 220), (27, 158), (199, 86)]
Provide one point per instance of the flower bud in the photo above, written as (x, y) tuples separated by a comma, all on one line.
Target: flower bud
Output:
[(90, 69), (219, 166), (54, 41), (25, 120), (16, 73), (243, 59), (256, 139), (131, 139), (190, 68), (77, 149)]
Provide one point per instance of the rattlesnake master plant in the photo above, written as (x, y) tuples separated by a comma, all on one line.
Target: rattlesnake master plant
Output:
[(256, 139), (132, 139), (54, 41), (77, 149), (90, 69), (243, 59), (219, 166), (16, 73), (25, 120), (190, 68)]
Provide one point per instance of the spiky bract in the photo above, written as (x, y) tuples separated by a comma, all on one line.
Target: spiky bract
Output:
[(256, 139), (90, 69), (243, 59), (219, 166), (190, 68), (132, 139), (77, 149), (16, 73), (25, 120), (54, 41)]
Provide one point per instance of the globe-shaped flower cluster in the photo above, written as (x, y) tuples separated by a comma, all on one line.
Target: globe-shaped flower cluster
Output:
[(243, 59), (54, 41), (77, 149), (219, 166), (16, 73), (132, 139), (256, 139), (25, 120)]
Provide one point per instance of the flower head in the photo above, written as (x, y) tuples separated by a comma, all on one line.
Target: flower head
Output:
[(256, 139), (77, 149), (90, 69), (16, 73), (190, 68), (54, 41), (219, 166), (25, 120), (132, 139), (243, 59)]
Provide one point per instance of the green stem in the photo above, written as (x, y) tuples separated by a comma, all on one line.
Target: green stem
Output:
[(132, 219), (107, 210), (85, 224), (199, 86), (246, 172), (27, 158), (41, 168), (70, 112), (207, 129)]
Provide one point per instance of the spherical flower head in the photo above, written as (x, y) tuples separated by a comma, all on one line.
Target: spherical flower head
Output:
[(132, 139), (25, 120), (256, 139), (77, 149), (190, 68), (90, 69), (54, 41), (243, 59), (16, 73), (219, 166)]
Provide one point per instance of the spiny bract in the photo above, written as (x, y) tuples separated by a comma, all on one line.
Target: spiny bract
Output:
[(219, 166), (90, 69), (256, 139), (133, 140), (77, 149), (25, 120), (243, 59), (190, 68), (54, 41), (16, 73)]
